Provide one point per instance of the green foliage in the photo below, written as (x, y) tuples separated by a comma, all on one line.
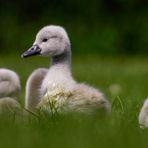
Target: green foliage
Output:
[(122, 79)]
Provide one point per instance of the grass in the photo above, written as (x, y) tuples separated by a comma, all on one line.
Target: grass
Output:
[(122, 79)]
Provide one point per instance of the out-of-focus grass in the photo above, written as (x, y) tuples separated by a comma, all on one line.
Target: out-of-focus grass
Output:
[(126, 75)]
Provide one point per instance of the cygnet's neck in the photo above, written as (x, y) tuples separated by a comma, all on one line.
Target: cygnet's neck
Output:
[(63, 59), (61, 66), (59, 74)]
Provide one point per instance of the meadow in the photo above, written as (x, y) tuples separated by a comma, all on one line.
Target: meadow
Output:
[(123, 80)]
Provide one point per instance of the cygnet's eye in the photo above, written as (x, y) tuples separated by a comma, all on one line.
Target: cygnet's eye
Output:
[(45, 40)]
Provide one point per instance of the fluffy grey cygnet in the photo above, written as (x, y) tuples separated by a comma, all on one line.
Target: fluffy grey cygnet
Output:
[(9, 90), (54, 89)]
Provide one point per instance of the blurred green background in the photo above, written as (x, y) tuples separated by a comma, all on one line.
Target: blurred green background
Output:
[(99, 26)]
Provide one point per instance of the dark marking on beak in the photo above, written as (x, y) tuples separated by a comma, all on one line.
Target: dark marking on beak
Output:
[(34, 50)]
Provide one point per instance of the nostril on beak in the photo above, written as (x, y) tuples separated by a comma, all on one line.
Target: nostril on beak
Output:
[(34, 50)]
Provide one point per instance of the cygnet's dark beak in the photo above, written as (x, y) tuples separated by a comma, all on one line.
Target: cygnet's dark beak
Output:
[(34, 50)]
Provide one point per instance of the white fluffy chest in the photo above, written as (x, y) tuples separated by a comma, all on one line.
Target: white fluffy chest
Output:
[(54, 101), (57, 80)]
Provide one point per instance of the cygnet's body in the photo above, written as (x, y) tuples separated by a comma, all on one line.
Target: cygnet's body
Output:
[(143, 116), (56, 90), (9, 89)]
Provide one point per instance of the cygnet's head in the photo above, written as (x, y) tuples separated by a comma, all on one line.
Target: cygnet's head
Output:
[(50, 41)]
